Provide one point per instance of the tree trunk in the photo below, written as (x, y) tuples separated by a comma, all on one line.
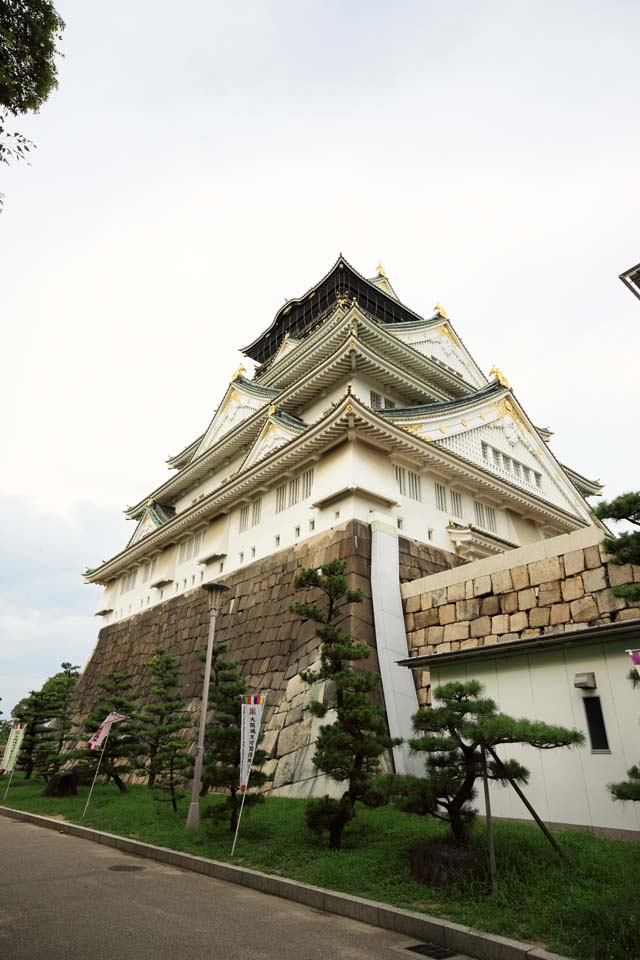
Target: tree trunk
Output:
[(151, 782), (117, 779), (343, 815)]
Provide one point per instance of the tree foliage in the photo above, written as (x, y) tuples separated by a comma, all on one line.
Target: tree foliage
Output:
[(29, 33), (349, 748), (626, 547), (163, 757), (122, 746), (49, 751), (222, 740), (452, 735), (35, 711)]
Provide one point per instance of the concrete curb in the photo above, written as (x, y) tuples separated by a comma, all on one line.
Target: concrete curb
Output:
[(483, 946)]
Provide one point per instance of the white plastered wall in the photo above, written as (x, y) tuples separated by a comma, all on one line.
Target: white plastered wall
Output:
[(566, 785)]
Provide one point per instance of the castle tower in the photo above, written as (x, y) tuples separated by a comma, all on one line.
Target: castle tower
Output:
[(367, 432)]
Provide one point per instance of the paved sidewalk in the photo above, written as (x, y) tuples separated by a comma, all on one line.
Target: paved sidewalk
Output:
[(63, 898)]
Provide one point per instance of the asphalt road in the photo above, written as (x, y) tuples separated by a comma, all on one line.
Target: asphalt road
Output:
[(63, 897)]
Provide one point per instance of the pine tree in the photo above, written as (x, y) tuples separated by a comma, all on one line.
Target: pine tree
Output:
[(452, 736), (49, 753), (222, 740), (626, 547), (163, 758), (36, 711), (122, 746), (350, 748)]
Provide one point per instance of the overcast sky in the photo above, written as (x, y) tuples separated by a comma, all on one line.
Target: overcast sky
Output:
[(200, 163)]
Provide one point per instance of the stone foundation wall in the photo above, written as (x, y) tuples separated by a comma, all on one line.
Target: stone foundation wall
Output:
[(420, 560), (269, 643), (556, 586)]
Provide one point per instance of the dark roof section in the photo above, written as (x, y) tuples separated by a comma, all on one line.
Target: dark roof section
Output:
[(288, 420), (588, 488), (631, 279), (299, 315), (442, 406)]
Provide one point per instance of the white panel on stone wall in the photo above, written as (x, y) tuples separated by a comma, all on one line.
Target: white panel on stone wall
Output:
[(400, 697)]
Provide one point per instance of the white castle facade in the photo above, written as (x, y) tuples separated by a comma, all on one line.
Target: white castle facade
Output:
[(358, 409)]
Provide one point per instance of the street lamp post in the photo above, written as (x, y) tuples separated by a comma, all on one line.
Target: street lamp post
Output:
[(216, 592)]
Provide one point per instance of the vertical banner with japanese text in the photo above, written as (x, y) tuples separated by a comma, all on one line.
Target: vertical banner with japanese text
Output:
[(251, 718), (12, 748)]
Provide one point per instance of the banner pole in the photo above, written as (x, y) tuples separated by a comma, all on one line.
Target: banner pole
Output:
[(235, 839), (13, 770), (104, 745)]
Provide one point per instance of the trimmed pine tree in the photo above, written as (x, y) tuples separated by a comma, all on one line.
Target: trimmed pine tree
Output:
[(49, 752), (122, 746), (157, 724), (452, 735), (348, 749), (221, 770)]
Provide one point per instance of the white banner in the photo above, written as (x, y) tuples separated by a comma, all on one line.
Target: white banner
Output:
[(251, 718), (12, 748)]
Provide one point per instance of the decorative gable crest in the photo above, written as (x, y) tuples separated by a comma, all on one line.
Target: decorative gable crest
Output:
[(241, 400), (278, 430)]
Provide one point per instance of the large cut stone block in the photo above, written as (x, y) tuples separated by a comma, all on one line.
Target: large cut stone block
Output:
[(456, 631), (541, 571), (573, 588), (620, 574), (584, 610)]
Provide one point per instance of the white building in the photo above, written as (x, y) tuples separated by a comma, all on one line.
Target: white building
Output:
[(357, 405)]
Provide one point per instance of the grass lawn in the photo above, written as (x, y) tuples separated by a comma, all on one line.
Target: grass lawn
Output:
[(587, 910)]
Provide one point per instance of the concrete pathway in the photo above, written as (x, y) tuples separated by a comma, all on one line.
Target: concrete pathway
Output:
[(63, 898)]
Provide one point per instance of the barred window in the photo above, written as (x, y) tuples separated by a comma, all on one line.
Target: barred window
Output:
[(294, 491), (478, 509), (244, 518), (456, 503), (491, 519), (149, 569), (497, 458), (441, 496), (307, 483), (256, 510), (485, 451), (538, 477), (376, 400), (129, 581), (415, 491), (389, 404), (281, 498), (401, 477), (189, 548)]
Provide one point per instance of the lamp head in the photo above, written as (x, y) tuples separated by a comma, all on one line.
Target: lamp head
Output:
[(216, 591)]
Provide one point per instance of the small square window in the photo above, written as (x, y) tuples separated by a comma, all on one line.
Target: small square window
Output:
[(400, 522), (312, 525), (296, 531), (221, 567), (242, 557), (429, 534), (277, 539), (253, 552), (337, 515)]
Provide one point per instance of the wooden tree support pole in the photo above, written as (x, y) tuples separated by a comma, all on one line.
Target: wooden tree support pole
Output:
[(489, 819), (533, 813)]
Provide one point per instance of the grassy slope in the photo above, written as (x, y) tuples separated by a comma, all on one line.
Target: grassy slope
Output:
[(587, 911)]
